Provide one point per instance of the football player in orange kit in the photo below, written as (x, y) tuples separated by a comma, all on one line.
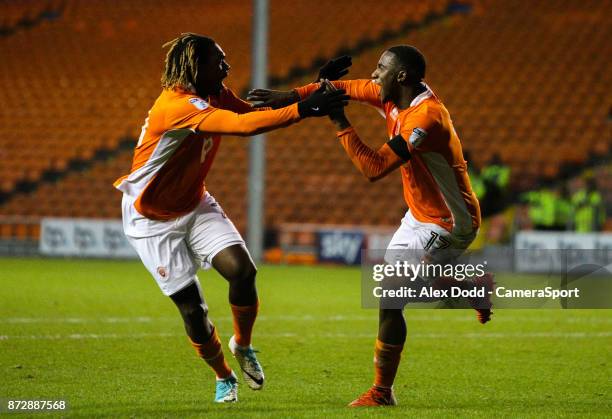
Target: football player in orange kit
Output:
[(443, 211), (174, 224)]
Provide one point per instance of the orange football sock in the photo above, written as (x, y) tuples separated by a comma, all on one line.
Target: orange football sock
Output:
[(211, 352), (386, 361), (244, 319)]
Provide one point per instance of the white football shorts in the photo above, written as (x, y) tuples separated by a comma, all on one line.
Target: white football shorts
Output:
[(413, 239), (173, 251)]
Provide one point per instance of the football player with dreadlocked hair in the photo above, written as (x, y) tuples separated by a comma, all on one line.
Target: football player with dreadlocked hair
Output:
[(171, 220)]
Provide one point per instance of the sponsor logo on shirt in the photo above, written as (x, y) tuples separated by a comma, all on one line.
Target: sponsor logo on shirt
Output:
[(417, 137), (201, 104)]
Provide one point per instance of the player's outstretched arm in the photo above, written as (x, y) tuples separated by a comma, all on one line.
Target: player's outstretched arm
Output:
[(274, 99), (334, 69), (373, 164), (229, 101), (320, 103), (364, 90), (359, 90)]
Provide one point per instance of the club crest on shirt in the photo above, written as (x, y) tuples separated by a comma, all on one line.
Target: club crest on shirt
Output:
[(417, 137), (201, 104)]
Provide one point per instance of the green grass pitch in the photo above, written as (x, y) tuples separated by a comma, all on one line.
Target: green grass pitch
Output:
[(101, 335)]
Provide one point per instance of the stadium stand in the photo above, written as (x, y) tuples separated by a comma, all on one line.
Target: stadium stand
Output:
[(302, 30), (100, 77), (525, 79), (22, 15)]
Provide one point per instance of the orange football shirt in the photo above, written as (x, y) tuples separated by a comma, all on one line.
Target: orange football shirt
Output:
[(435, 181), (178, 144)]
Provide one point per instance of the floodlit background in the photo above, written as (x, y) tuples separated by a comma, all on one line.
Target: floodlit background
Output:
[(527, 84)]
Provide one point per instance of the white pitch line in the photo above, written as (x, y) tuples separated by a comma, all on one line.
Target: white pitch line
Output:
[(80, 320), (499, 317), (483, 335), (80, 336)]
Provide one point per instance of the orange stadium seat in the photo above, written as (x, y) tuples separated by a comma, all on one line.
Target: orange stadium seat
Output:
[(526, 80)]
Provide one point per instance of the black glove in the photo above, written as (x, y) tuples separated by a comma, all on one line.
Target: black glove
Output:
[(335, 68), (322, 102)]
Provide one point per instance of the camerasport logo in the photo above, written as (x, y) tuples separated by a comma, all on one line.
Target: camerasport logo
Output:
[(162, 271)]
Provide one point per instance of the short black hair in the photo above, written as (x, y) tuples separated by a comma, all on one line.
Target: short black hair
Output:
[(411, 59)]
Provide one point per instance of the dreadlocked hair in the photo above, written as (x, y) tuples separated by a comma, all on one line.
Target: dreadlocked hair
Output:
[(182, 59)]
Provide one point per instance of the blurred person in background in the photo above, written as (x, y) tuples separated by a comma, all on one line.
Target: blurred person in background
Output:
[(542, 210), (496, 178), (563, 208), (475, 173), (589, 209)]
